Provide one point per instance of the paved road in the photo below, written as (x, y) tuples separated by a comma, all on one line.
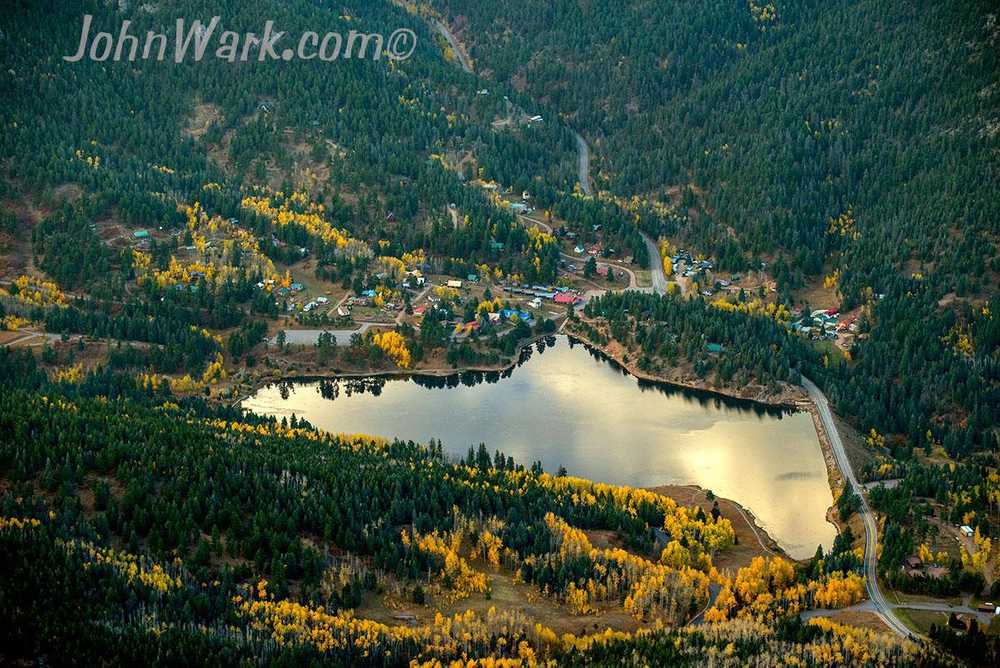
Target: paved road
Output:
[(309, 337), (584, 163), (30, 338), (456, 48), (983, 618), (655, 265), (882, 607), (713, 593)]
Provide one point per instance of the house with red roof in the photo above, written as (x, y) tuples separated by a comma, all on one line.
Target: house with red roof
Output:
[(566, 298)]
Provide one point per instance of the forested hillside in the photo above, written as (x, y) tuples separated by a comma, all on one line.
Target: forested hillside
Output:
[(139, 140), (855, 142), (786, 115), (163, 224), (137, 529)]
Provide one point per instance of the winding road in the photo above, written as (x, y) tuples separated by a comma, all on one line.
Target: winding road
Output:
[(658, 276), (877, 603), (881, 606)]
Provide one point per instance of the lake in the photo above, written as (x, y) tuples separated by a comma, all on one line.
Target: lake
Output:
[(567, 405)]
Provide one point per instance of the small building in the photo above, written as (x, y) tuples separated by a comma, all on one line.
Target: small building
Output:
[(714, 348), (343, 311), (297, 287), (535, 303), (141, 234), (966, 530), (566, 298), (958, 622), (579, 250), (519, 207), (454, 284)]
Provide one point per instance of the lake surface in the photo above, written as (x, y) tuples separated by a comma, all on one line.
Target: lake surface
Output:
[(566, 405)]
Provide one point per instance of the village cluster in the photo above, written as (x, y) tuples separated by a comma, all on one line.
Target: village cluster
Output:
[(825, 324)]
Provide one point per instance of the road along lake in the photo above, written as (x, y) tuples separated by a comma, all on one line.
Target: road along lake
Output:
[(566, 405)]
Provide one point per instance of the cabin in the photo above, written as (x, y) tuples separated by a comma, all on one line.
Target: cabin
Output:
[(966, 530), (958, 622), (566, 298)]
